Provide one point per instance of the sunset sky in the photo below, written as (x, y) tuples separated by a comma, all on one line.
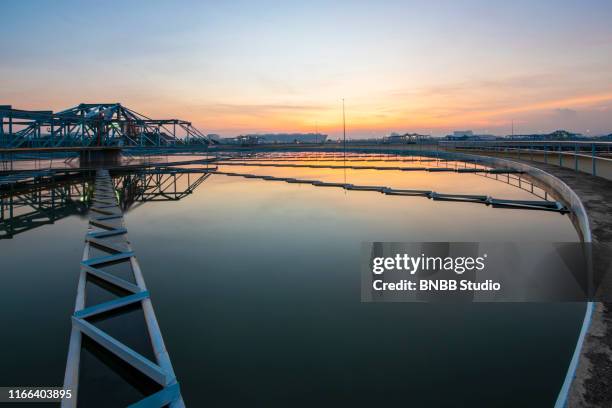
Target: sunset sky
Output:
[(245, 67)]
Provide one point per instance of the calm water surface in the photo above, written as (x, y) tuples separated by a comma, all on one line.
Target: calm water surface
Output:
[(256, 286)]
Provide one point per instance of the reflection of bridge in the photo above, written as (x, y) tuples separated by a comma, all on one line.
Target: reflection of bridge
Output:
[(43, 200), (37, 204), (161, 184)]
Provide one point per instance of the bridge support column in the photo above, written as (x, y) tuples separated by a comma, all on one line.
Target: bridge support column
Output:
[(100, 157)]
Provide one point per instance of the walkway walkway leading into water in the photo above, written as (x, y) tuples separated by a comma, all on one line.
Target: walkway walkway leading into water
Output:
[(106, 245)]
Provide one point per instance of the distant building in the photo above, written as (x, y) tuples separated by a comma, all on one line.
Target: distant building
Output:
[(249, 140), (556, 135), (406, 138), (463, 133), (213, 136), (469, 135), (278, 138), (485, 137)]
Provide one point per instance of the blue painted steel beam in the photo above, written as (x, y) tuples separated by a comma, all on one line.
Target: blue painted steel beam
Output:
[(112, 304), (136, 360)]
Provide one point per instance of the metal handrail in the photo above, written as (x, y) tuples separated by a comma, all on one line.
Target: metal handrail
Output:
[(542, 147)]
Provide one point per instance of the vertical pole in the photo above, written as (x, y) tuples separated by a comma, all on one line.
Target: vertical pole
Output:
[(11, 206), (53, 212), (344, 128), (10, 128), (593, 159), (576, 157)]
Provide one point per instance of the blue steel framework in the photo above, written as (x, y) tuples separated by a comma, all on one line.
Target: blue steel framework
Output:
[(97, 124), (107, 233), (33, 199)]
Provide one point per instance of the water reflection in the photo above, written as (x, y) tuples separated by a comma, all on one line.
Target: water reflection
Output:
[(26, 206), (268, 277), (29, 205)]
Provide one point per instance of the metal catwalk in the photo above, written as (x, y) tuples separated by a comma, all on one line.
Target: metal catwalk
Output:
[(107, 244)]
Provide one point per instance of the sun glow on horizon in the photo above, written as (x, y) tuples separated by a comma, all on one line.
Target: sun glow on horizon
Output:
[(246, 68)]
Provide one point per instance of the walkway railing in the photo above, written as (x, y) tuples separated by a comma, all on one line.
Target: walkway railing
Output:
[(587, 156)]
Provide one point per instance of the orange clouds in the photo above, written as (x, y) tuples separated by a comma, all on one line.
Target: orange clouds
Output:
[(382, 115)]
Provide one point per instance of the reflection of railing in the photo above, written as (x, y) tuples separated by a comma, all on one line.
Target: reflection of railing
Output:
[(517, 180), (514, 179)]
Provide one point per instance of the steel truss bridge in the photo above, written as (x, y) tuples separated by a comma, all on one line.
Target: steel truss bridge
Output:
[(93, 124)]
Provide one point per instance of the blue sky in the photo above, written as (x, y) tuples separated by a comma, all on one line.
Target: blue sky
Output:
[(234, 67)]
